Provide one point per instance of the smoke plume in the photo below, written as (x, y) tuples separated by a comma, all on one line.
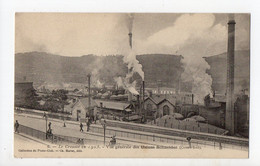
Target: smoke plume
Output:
[(124, 83), (120, 82), (132, 63), (186, 36), (95, 73), (195, 73), (130, 21)]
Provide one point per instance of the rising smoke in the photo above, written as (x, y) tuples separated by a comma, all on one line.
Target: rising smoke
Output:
[(195, 73), (130, 21), (95, 74), (130, 58), (191, 36), (132, 63), (124, 83)]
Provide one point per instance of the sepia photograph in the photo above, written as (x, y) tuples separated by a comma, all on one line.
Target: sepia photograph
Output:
[(131, 85)]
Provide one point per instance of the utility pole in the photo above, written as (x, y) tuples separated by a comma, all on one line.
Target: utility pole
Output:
[(104, 124), (89, 102), (46, 120)]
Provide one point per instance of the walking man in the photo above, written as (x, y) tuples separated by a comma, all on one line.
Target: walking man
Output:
[(87, 120), (44, 115), (16, 125), (81, 127), (189, 141), (88, 125), (113, 141), (49, 125), (220, 146), (95, 119)]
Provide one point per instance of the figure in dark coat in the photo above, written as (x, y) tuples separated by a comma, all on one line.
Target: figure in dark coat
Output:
[(88, 125), (113, 141), (16, 125), (49, 125), (81, 127)]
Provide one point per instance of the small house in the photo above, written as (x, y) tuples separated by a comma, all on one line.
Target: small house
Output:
[(81, 108)]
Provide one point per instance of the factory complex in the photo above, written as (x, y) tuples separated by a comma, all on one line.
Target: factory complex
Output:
[(221, 114)]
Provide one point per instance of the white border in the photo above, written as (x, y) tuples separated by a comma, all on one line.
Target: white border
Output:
[(7, 11)]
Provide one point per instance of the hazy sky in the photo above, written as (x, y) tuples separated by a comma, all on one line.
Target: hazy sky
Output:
[(76, 34)]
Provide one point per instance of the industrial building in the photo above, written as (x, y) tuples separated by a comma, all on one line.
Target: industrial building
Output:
[(162, 90), (159, 106)]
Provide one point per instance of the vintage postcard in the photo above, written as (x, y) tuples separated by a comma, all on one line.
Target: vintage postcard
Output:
[(139, 85)]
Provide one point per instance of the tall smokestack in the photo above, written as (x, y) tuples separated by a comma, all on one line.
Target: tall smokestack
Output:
[(89, 102), (230, 115), (138, 103), (130, 39), (143, 90), (129, 70), (140, 99), (143, 96)]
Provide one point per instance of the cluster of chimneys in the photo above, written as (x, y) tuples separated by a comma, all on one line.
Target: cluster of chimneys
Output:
[(141, 96), (230, 114)]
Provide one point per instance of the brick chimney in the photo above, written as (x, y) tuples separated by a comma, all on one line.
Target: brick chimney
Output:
[(230, 114)]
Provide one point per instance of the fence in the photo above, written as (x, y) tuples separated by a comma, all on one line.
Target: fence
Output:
[(148, 138), (61, 116), (174, 135), (57, 139), (61, 139)]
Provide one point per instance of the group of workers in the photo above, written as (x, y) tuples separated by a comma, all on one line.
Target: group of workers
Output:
[(88, 122)]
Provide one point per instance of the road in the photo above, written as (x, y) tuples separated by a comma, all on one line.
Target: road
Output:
[(72, 129), (39, 123)]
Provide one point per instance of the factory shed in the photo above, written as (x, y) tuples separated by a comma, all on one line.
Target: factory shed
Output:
[(165, 107), (112, 105), (160, 105), (167, 100), (150, 104), (114, 110)]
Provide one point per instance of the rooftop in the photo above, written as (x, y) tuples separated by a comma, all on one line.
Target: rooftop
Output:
[(157, 99), (112, 104), (220, 98), (84, 101)]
